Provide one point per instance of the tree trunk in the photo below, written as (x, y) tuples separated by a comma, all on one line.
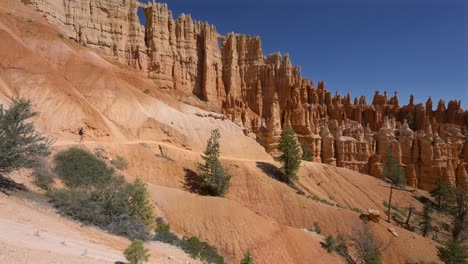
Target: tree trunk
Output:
[(409, 215), (390, 203)]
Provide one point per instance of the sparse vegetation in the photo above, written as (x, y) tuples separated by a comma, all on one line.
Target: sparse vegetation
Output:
[(211, 178), (201, 250), (97, 197), (453, 253), (60, 35), (163, 233), (330, 244), (43, 177), (192, 246), (393, 173), (80, 168), (427, 220), (136, 253), (163, 157), (441, 193), (21, 146), (146, 91), (317, 228), (248, 259), (119, 163), (357, 210), (367, 248), (290, 157)]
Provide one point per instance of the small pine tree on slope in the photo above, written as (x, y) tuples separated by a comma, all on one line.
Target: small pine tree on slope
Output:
[(290, 157), (211, 176)]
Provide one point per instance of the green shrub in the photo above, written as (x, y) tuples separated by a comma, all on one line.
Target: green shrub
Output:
[(317, 228), (202, 250), (78, 204), (80, 168), (167, 237), (330, 243), (147, 91), (193, 246), (43, 177), (161, 225), (60, 35), (125, 226), (136, 253), (453, 253), (119, 207), (119, 162), (248, 259)]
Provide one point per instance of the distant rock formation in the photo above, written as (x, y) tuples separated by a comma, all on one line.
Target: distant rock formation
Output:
[(263, 94)]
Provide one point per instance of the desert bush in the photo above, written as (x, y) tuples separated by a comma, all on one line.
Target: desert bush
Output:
[(167, 237), (78, 204), (193, 246), (121, 208), (120, 163), (202, 250), (368, 248), (330, 243), (146, 91), (164, 234), (317, 228), (43, 176), (161, 225), (80, 168), (126, 226), (60, 35), (248, 259), (136, 253)]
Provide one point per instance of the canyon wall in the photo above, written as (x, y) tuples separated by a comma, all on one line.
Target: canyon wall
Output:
[(263, 94)]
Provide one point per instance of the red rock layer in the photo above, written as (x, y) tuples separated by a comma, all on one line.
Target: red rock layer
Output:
[(265, 94)]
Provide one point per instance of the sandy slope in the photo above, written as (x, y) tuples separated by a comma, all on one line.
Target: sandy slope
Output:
[(29, 228), (73, 86)]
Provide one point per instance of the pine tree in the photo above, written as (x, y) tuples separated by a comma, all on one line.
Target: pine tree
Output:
[(21, 146), (248, 259), (441, 193), (458, 209), (393, 173), (427, 219), (136, 253), (290, 156), (211, 176), (453, 253)]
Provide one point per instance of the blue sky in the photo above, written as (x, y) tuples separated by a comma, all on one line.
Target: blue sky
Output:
[(415, 47)]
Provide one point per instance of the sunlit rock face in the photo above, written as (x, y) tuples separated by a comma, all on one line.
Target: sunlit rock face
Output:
[(263, 94)]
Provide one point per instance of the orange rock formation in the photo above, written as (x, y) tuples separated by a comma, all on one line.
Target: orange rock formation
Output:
[(265, 93)]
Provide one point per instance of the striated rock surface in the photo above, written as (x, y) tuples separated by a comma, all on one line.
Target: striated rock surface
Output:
[(263, 94)]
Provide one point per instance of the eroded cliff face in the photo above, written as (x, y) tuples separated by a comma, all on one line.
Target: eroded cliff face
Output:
[(263, 94)]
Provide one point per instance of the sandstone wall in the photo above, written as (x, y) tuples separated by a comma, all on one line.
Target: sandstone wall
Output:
[(263, 94)]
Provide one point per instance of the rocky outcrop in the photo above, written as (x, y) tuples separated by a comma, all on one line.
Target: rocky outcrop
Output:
[(263, 94)]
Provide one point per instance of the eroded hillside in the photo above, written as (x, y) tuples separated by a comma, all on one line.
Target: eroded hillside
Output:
[(161, 133)]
